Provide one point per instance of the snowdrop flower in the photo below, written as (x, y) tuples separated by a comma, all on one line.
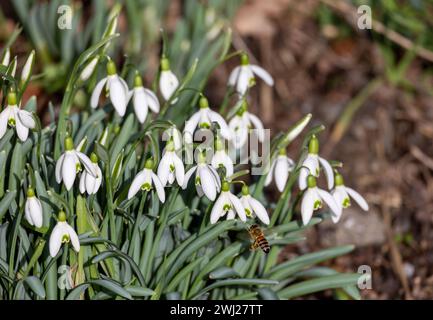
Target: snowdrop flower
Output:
[(62, 233), (115, 87), (171, 166), (253, 207), (241, 124), (145, 180), (6, 58), (88, 69), (33, 209), (311, 165), (168, 81), (207, 180), (88, 182), (174, 135), (227, 203), (143, 99), (69, 164), (221, 158), (313, 199), (13, 116), (341, 195), (27, 69), (280, 169), (203, 119), (242, 77)]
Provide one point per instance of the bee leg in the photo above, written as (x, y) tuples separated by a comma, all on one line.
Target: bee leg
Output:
[(254, 245)]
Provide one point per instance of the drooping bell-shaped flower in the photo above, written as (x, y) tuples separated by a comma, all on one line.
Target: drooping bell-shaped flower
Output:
[(69, 164), (62, 233), (221, 159), (342, 195), (27, 69), (203, 119), (313, 198), (171, 166), (146, 180), (89, 183), (241, 124), (13, 116), (227, 204), (207, 180), (33, 209), (279, 170), (116, 89), (253, 207), (243, 76), (312, 164), (6, 57), (143, 99), (168, 82)]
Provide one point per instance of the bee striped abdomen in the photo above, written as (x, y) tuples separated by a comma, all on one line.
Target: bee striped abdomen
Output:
[(259, 239)]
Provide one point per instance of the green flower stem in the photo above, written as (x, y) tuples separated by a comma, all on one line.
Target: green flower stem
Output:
[(135, 233), (40, 245), (64, 263)]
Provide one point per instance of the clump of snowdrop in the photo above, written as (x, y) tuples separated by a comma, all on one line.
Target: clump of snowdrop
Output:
[(312, 163), (342, 195), (33, 209), (116, 89), (279, 170), (62, 233), (171, 166), (221, 159), (207, 180), (168, 82), (313, 199), (143, 99), (145, 180), (69, 164), (253, 207), (12, 115), (203, 119), (241, 124), (227, 204), (88, 182), (242, 77)]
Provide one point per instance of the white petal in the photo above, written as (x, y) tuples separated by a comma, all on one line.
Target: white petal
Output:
[(82, 185), (259, 210), (233, 76), (330, 201), (164, 168), (179, 170), (245, 75), (136, 184), (168, 84), (263, 74), (22, 130), (58, 170), (240, 210), (4, 117), (35, 211), (217, 209), (231, 215), (307, 206), (246, 203), (139, 103), (339, 195), (26, 119), (98, 180), (87, 163), (159, 188), (27, 212), (270, 173), (328, 172), (117, 95), (90, 183), (73, 237), (56, 239), (207, 181), (188, 175), (69, 170), (152, 100), (224, 128), (258, 126), (358, 198), (191, 124), (281, 173), (97, 93), (239, 131), (216, 177)]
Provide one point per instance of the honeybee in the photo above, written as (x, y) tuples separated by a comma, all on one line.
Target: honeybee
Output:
[(259, 239)]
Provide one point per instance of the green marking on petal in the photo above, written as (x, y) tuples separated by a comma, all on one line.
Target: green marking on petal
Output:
[(346, 202), (317, 204), (78, 167), (197, 181), (11, 122), (227, 207), (248, 213), (65, 238), (204, 125), (146, 187), (172, 167)]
